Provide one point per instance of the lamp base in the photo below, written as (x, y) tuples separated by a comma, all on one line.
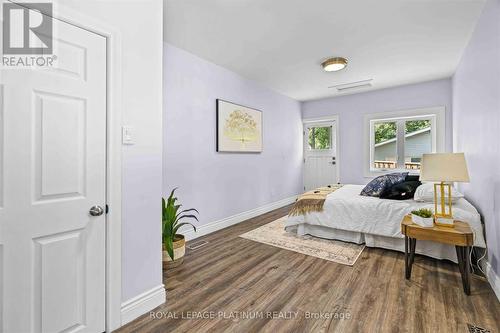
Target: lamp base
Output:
[(444, 221), (443, 216)]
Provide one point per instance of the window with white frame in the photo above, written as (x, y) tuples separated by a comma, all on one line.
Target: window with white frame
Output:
[(398, 143)]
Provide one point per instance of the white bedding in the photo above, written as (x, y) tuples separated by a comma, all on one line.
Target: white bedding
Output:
[(346, 210)]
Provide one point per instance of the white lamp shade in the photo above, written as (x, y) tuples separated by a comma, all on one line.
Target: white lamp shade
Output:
[(444, 167)]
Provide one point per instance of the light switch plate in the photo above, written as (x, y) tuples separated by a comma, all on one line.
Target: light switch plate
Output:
[(128, 135)]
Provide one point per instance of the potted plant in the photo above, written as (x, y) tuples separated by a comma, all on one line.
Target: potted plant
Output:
[(174, 244), (422, 217)]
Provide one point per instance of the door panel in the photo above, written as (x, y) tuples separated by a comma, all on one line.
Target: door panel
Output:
[(74, 64), (320, 171), (59, 128), (59, 300), (53, 155)]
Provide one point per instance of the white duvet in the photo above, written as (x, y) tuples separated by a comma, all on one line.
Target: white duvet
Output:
[(345, 209)]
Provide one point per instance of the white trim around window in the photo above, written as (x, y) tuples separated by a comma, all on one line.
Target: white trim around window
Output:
[(438, 134)]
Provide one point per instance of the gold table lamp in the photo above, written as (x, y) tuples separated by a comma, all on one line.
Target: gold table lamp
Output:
[(444, 168)]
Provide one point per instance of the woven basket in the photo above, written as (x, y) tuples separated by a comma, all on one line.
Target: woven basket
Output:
[(179, 252)]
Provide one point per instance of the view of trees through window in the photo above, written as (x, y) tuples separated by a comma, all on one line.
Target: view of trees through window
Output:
[(320, 137), (387, 130), (416, 125)]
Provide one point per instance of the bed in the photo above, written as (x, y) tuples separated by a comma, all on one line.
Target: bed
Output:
[(350, 217)]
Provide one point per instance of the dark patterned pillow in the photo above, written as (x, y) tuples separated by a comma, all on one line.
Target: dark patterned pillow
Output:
[(403, 191), (379, 184)]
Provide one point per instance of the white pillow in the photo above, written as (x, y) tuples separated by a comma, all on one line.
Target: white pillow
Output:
[(425, 193)]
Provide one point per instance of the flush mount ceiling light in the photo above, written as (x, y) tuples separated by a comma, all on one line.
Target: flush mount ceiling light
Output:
[(334, 64)]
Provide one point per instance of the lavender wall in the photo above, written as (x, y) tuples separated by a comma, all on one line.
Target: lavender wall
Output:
[(221, 184), (352, 108), (476, 126)]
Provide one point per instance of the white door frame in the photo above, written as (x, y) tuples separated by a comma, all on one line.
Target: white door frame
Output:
[(308, 121), (113, 153)]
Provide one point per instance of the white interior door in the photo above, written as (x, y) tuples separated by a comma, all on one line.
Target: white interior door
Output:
[(53, 155), (320, 157)]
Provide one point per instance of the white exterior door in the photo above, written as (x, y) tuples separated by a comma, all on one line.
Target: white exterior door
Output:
[(320, 157), (53, 163)]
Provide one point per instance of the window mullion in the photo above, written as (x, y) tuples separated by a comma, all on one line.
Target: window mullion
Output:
[(314, 138), (401, 143)]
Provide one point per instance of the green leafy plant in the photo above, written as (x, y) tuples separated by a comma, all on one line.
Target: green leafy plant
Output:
[(423, 212), (171, 221), (387, 130), (319, 137)]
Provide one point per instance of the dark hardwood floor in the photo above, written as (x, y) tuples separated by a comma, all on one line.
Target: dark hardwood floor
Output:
[(232, 277)]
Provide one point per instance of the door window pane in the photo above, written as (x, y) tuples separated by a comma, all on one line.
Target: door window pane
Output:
[(418, 141), (385, 152), (320, 137)]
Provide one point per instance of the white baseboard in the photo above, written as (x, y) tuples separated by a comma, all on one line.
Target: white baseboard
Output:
[(235, 219), (493, 279), (141, 304)]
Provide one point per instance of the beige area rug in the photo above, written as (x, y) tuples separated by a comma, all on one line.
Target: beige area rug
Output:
[(274, 234)]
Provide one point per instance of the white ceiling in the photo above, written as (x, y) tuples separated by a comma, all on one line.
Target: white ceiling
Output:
[(281, 43)]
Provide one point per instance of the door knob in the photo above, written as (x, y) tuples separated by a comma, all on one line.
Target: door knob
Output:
[(96, 211)]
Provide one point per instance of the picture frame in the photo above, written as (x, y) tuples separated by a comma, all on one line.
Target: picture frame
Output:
[(238, 128)]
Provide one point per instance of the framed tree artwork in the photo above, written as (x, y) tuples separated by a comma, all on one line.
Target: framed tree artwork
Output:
[(239, 128)]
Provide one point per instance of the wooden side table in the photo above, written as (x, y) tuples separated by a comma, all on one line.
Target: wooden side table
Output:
[(460, 236)]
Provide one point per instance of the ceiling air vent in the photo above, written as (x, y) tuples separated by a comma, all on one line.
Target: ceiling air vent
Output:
[(353, 85)]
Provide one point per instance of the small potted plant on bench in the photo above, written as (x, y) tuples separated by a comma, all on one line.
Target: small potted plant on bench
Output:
[(174, 244), (423, 217)]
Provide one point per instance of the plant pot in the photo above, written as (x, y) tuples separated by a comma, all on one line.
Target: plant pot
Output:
[(426, 222), (179, 251)]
